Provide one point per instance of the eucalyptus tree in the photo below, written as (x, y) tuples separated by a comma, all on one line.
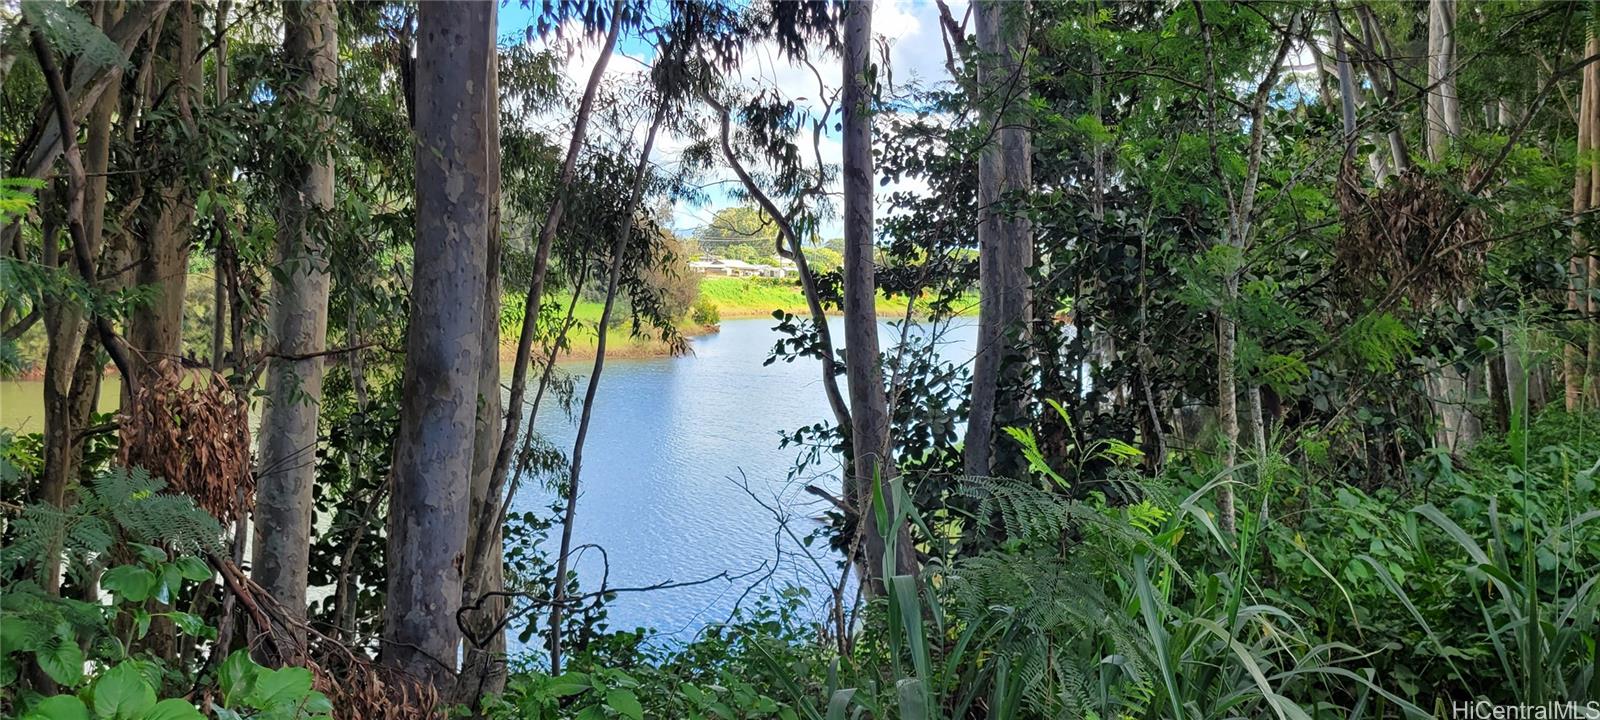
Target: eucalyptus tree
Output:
[(1582, 368), (871, 446), (71, 362), (432, 471), (1005, 235), (619, 250), (165, 221), (482, 671), (288, 437), (620, 16), (494, 479)]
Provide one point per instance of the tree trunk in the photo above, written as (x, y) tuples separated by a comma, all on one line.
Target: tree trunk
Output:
[(483, 669), (1451, 388), (66, 325), (541, 265), (163, 264), (1381, 71), (1005, 236), (219, 286), (1236, 235), (1572, 354), (432, 470), (1591, 81), (1444, 109), (1227, 407), (287, 455), (619, 251), (869, 405)]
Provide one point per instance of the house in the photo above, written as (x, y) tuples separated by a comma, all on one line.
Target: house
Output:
[(728, 267)]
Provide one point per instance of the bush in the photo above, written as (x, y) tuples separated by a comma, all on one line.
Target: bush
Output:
[(705, 313), (1330, 601)]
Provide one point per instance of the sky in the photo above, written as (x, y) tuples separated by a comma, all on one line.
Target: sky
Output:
[(910, 29)]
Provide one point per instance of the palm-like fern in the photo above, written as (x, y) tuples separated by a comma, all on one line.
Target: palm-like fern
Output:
[(121, 503)]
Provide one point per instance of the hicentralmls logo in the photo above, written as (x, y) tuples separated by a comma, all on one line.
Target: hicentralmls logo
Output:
[(1485, 710)]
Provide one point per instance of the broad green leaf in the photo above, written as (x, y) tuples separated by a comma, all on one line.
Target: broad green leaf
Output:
[(122, 694), (59, 707), (193, 568), (317, 703), (284, 686), (173, 709), (62, 660), (129, 582), (625, 702), (569, 683), (189, 623), (237, 676)]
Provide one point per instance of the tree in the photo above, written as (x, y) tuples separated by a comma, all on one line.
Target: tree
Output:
[(482, 671), (432, 470), (873, 453), (288, 436), (619, 251), (1584, 274), (1005, 236), (166, 220), (1236, 235), (72, 364)]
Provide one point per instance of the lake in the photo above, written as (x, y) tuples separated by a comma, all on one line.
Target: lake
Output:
[(670, 444)]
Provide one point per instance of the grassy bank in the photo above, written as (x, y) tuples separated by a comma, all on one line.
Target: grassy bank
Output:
[(583, 338), (758, 297), (734, 298)]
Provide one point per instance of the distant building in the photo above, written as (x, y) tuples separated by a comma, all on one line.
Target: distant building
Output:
[(728, 267)]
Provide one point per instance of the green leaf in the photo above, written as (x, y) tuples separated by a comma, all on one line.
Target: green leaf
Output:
[(59, 707), (129, 582), (173, 709), (193, 568), (150, 553), (122, 694), (189, 623), (317, 703), (169, 585), (237, 676), (569, 683), (62, 660), (625, 702), (18, 634), (285, 686)]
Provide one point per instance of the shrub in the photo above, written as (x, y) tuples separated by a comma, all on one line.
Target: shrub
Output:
[(705, 313)]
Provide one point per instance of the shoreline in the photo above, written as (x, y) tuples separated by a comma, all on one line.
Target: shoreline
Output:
[(620, 348)]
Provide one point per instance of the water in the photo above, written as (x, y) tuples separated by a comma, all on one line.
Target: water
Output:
[(670, 446), (22, 402)]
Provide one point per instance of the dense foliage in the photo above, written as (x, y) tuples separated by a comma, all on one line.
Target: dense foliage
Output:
[(1282, 403)]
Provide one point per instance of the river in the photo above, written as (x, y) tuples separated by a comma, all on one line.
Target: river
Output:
[(671, 448)]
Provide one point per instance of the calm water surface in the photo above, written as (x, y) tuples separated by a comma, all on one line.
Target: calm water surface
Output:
[(671, 442), (671, 447)]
